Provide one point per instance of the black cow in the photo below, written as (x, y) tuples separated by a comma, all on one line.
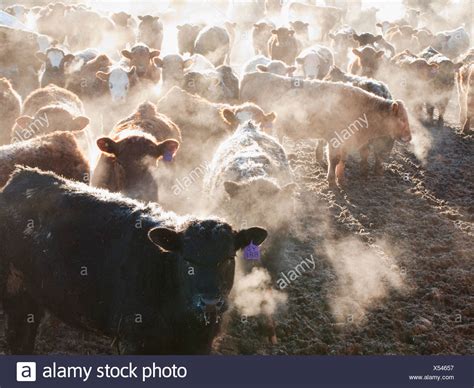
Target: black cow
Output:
[(155, 282)]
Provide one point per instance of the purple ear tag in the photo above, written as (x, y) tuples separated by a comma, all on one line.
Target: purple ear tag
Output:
[(252, 252), (168, 156)]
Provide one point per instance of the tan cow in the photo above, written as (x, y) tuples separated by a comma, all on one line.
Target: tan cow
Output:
[(347, 117)]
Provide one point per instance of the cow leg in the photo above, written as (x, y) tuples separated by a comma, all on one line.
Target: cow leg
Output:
[(340, 168), (364, 160), (441, 112), (378, 166), (341, 180), (319, 152), (430, 112), (23, 316), (333, 160), (272, 337), (467, 125)]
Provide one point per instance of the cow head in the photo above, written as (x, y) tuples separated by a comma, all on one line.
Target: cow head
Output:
[(425, 37), (119, 81), (173, 67), (421, 69), (277, 67), (240, 114), (133, 147), (369, 59), (283, 34), (55, 59), (263, 28), (148, 22), (366, 38), (310, 63), (301, 28), (205, 251), (141, 57), (398, 123), (122, 19), (51, 119)]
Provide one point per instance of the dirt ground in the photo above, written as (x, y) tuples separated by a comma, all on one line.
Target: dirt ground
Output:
[(393, 261)]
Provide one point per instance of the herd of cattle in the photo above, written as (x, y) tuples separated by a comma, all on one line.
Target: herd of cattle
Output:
[(94, 114)]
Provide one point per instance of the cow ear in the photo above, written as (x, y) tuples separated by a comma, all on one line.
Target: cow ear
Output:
[(154, 53), (356, 37), (379, 25), (457, 66), (69, 58), (155, 18), (290, 70), (179, 27), (228, 115), (132, 70), (80, 123), (379, 54), (24, 121), (169, 146), (262, 68), (253, 235), (141, 18), (378, 38), (270, 117), (103, 76), (126, 54), (166, 239), (306, 24), (41, 56), (232, 188), (158, 62), (107, 145), (395, 107), (356, 52)]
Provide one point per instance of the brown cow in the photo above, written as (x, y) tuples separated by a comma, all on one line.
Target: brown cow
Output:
[(366, 62), (150, 31), (133, 147), (261, 33), (57, 152), (283, 45), (142, 58), (187, 34), (10, 109)]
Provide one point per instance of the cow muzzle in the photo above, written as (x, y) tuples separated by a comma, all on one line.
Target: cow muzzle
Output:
[(211, 308)]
